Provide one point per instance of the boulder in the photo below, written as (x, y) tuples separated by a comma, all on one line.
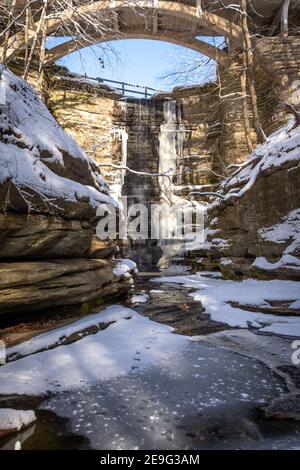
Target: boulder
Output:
[(37, 236), (36, 285)]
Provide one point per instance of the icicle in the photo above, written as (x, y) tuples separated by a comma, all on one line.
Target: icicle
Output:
[(122, 135), (171, 141), (124, 139)]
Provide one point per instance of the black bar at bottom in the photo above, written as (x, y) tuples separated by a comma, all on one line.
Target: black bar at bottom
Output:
[(133, 459)]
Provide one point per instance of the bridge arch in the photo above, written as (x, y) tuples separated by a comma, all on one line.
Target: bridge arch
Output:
[(212, 22), (58, 52)]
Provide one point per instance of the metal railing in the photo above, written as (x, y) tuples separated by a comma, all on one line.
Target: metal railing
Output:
[(123, 87)]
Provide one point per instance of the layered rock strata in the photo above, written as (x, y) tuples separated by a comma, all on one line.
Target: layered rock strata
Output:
[(49, 194), (253, 228)]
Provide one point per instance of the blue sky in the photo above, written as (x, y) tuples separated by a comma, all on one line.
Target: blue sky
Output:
[(139, 61)]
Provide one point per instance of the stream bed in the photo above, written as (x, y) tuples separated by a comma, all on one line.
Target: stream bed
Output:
[(196, 396)]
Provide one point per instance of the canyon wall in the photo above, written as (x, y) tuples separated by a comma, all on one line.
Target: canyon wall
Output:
[(254, 229), (196, 131), (277, 81), (49, 193), (100, 120)]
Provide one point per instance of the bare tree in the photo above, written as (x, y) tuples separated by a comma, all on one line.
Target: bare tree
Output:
[(247, 126), (11, 12), (77, 20), (41, 29), (248, 59)]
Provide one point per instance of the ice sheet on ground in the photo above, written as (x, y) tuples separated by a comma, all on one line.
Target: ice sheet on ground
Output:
[(109, 353)]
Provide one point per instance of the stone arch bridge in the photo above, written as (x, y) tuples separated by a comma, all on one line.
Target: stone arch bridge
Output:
[(178, 21)]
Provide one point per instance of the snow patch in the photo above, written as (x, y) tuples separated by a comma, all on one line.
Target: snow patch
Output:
[(288, 231), (52, 337), (286, 261), (27, 171), (18, 445), (222, 299), (283, 146), (225, 261), (139, 299), (15, 420), (125, 267)]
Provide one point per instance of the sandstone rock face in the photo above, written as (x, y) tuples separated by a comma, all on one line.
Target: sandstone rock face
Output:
[(278, 78), (94, 115), (40, 236), (102, 249), (49, 193), (36, 285), (255, 229)]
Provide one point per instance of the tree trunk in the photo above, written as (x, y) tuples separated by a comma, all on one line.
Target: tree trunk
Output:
[(26, 31), (247, 126), (42, 49), (7, 34), (285, 17), (261, 138), (39, 29)]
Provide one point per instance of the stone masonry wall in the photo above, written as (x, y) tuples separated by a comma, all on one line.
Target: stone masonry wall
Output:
[(277, 74), (277, 80)]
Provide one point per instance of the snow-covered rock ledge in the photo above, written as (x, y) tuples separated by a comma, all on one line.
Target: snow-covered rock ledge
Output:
[(42, 168), (254, 230), (49, 193), (15, 420)]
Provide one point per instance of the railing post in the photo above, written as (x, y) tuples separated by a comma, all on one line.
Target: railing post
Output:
[(123, 88), (146, 92)]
